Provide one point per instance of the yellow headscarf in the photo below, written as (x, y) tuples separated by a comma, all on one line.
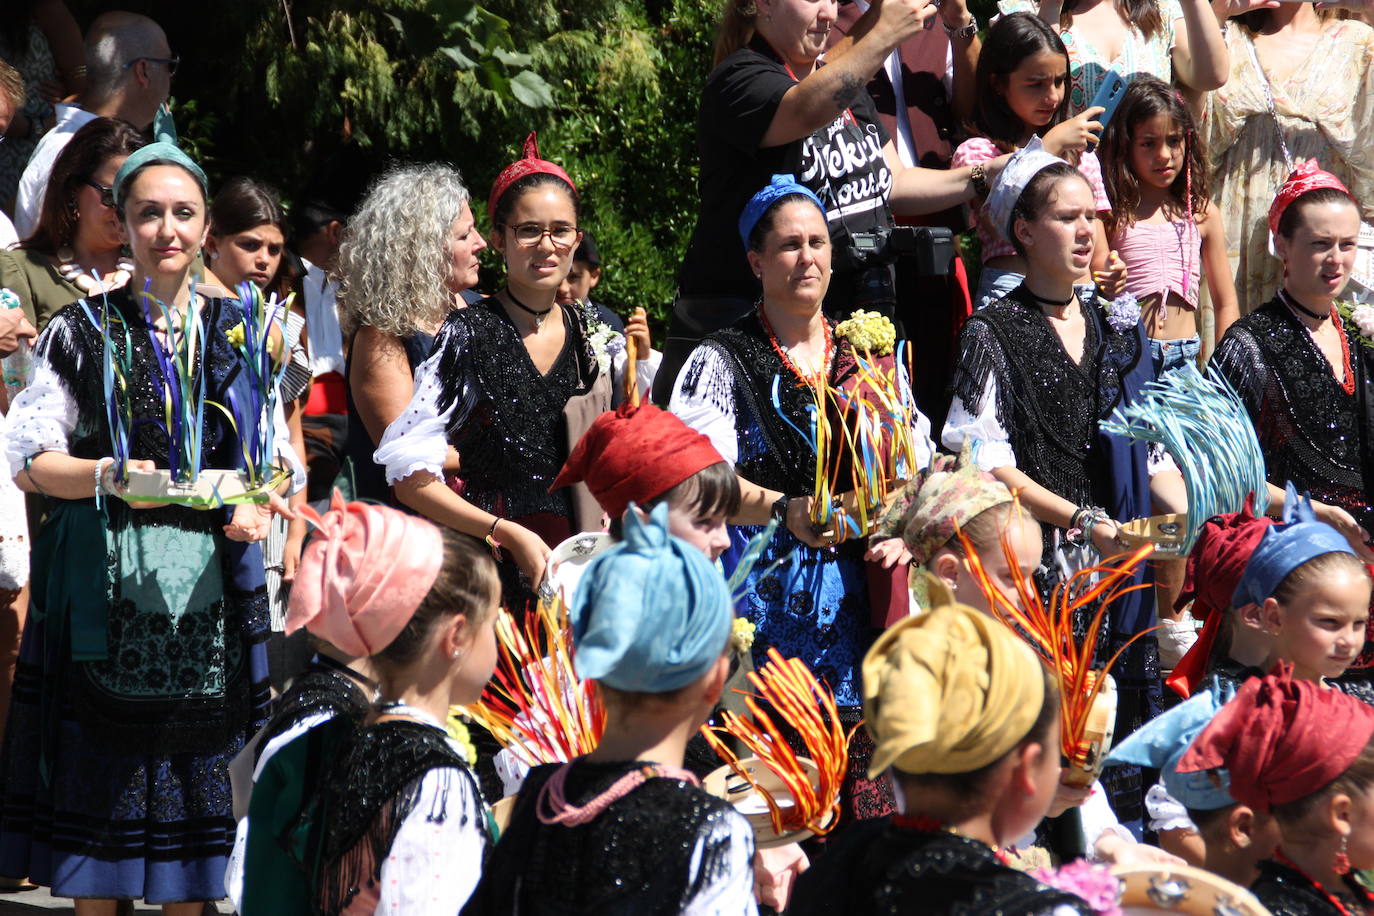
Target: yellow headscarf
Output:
[(949, 691)]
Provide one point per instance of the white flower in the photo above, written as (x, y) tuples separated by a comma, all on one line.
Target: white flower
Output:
[(604, 343), (1363, 316)]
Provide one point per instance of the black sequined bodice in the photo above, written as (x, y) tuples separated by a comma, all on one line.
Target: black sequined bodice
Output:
[(321, 688), (513, 438), (634, 859), (1287, 892), (74, 348), (1048, 404), (780, 459), (1310, 430), (875, 868)]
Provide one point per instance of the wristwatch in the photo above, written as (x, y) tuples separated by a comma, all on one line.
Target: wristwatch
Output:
[(964, 31), (779, 512)]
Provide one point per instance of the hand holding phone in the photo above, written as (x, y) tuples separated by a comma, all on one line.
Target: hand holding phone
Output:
[(1108, 97)]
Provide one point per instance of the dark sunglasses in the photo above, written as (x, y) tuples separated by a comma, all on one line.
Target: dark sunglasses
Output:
[(106, 194), (171, 62)]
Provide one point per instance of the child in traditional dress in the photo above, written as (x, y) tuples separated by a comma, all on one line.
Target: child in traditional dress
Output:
[(626, 829), (967, 719), (1306, 754), (1222, 835), (399, 825)]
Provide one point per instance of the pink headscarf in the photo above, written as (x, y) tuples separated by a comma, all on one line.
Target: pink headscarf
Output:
[(363, 575)]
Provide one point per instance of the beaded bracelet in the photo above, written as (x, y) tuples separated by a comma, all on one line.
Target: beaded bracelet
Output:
[(491, 540)]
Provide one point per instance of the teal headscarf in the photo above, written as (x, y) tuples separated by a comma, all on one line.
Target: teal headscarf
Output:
[(651, 614), (162, 152)]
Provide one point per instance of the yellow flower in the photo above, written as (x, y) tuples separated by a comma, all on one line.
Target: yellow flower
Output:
[(458, 731), (235, 335), (868, 332), (742, 634)]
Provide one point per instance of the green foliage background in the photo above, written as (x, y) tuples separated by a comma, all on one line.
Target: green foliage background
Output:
[(274, 88)]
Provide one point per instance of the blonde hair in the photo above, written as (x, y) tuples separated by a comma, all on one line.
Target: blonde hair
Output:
[(736, 28), (394, 259)]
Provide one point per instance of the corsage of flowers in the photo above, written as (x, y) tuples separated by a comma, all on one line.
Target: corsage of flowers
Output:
[(235, 336), (1123, 312), (1362, 318), (605, 342), (742, 635), (868, 332), (1095, 884)]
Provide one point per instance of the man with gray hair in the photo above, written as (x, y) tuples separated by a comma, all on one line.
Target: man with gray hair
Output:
[(129, 68)]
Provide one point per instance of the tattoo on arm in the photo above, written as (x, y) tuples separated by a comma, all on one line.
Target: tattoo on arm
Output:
[(850, 84)]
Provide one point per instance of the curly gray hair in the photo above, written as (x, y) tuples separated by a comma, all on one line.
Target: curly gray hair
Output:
[(394, 259)]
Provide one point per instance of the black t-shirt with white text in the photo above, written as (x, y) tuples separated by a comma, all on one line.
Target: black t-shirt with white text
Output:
[(842, 162)]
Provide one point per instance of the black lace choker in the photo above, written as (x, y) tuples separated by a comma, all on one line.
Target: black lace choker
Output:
[(1043, 301), (1295, 304), (538, 316)]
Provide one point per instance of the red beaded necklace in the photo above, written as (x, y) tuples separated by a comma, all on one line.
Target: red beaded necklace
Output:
[(1330, 897), (823, 373), (1348, 382)]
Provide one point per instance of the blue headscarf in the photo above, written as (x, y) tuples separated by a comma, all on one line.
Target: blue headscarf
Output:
[(1161, 743), (1285, 547), (781, 186), (162, 152), (651, 614)]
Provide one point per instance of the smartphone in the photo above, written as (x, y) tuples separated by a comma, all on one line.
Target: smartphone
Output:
[(1108, 97)]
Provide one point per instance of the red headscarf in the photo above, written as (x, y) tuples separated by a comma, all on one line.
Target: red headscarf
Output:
[(1308, 176), (635, 454), (1215, 565), (528, 164), (1281, 739)]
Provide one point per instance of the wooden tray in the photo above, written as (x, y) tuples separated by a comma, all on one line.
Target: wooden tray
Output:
[(211, 489)]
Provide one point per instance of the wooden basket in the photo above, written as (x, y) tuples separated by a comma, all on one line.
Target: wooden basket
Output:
[(1166, 532), (1097, 737), (725, 783)]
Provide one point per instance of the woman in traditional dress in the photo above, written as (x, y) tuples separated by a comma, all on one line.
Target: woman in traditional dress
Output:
[(143, 669), (407, 254), (1300, 87), (748, 389), (1037, 372), (511, 391)]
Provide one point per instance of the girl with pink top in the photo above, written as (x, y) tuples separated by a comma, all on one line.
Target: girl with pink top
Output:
[(1163, 224), (1021, 91)]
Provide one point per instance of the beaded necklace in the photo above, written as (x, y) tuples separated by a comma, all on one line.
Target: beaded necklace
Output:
[(1330, 897), (1348, 382), (553, 807), (821, 375), (85, 281)]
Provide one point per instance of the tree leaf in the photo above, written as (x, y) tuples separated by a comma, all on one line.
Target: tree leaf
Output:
[(530, 90)]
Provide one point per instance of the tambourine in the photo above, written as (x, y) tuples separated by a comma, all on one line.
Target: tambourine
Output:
[(569, 560), (727, 784), (1097, 738), (1147, 890), (1166, 532), (211, 489)]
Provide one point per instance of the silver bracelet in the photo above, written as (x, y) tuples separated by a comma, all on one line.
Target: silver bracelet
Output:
[(963, 31), (100, 465)]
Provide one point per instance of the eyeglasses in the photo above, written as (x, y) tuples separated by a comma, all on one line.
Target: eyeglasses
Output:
[(171, 62), (106, 194), (531, 234)]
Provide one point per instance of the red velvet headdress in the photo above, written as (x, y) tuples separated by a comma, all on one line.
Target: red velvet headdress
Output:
[(1215, 565), (1281, 739), (635, 454), (528, 164), (1308, 176)]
